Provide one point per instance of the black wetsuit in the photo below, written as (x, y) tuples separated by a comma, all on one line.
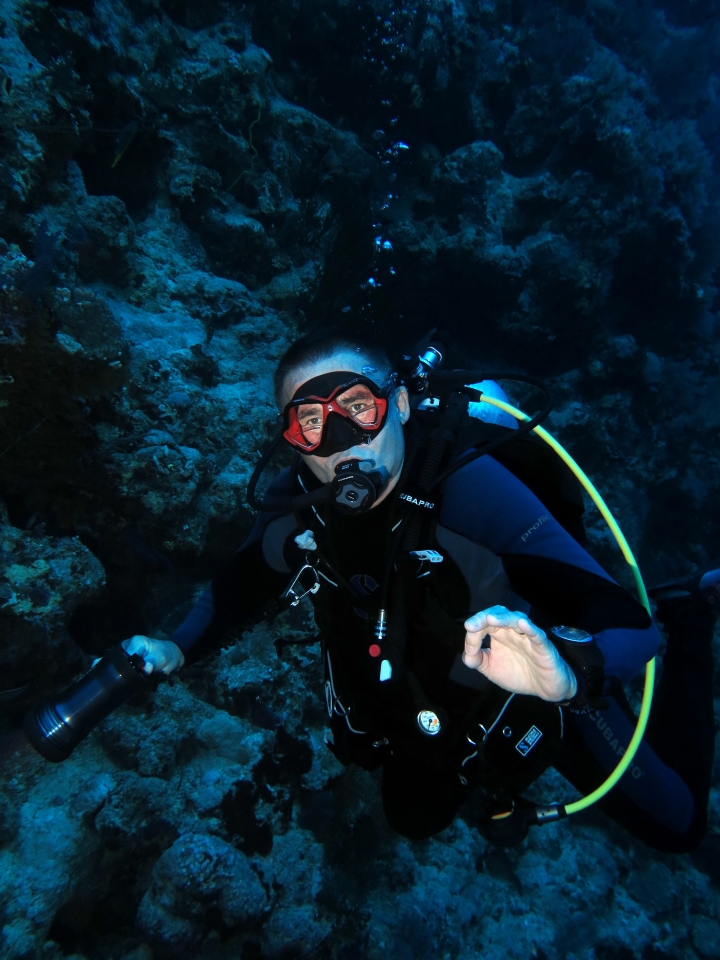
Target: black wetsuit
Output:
[(501, 546)]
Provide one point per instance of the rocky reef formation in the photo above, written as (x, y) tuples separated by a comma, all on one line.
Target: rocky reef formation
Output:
[(211, 820), (184, 186)]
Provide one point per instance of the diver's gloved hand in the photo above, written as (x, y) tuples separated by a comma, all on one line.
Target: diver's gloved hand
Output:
[(520, 658), (163, 655)]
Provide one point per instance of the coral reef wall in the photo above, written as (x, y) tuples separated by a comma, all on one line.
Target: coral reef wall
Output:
[(185, 185), (166, 214)]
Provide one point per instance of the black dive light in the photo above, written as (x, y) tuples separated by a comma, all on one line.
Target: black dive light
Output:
[(55, 728)]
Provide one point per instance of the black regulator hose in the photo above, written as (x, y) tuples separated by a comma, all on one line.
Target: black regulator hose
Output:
[(450, 378), (462, 378), (258, 471), (280, 504), (55, 728)]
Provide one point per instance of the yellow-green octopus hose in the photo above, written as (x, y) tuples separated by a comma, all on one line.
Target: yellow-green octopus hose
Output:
[(637, 736)]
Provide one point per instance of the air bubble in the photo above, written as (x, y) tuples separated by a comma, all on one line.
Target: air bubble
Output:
[(387, 245)]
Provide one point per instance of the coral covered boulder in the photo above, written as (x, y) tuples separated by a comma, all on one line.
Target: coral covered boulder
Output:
[(42, 581), (199, 882)]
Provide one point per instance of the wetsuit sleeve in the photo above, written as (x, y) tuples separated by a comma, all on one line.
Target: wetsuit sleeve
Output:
[(237, 596), (546, 566), (197, 621)]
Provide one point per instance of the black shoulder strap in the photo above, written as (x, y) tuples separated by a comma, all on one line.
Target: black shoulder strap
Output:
[(536, 465)]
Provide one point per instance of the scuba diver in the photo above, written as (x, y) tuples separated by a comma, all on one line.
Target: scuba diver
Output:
[(468, 638)]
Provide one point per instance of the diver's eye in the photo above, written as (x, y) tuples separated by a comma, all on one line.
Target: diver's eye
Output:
[(359, 403), (310, 419)]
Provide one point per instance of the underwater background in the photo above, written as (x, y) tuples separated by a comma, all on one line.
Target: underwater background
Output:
[(185, 185)]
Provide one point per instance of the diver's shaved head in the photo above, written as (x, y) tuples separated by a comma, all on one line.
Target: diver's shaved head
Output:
[(323, 352)]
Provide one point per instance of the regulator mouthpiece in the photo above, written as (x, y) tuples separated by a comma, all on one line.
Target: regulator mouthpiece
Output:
[(54, 729), (353, 490)]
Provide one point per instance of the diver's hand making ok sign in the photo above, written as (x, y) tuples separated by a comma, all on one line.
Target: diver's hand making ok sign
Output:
[(520, 658)]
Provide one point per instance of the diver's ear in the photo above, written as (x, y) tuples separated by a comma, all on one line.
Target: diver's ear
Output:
[(402, 403)]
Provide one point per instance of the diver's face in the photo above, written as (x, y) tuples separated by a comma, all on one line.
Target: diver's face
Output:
[(386, 450)]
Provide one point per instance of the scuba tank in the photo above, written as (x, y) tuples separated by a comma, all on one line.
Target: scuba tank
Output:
[(55, 728)]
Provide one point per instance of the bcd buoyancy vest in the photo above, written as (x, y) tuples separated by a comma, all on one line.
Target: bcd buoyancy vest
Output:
[(439, 711)]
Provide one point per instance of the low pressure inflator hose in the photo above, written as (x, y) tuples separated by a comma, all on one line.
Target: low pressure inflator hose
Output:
[(556, 811)]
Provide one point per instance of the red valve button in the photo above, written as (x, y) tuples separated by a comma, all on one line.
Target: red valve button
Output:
[(374, 650)]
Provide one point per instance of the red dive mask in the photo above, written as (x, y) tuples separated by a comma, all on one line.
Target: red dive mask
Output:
[(334, 412)]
